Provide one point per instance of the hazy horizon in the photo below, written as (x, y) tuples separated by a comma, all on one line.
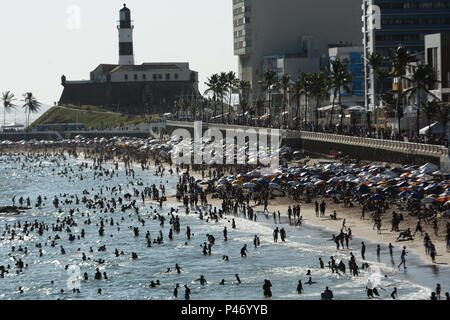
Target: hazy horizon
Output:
[(43, 41)]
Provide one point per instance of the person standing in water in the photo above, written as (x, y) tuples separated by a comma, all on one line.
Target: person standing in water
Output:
[(244, 251), (403, 258), (299, 287), (363, 251)]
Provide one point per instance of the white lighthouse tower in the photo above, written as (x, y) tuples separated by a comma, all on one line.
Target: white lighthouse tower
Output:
[(125, 26)]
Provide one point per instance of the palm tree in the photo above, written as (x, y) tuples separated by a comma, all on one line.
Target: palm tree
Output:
[(424, 79), (401, 59), (244, 88), (320, 86), (340, 78), (430, 110), (442, 115), (222, 90), (212, 84), (375, 60), (298, 92), (381, 75), (232, 83), (31, 105), (306, 80), (284, 83), (258, 105), (270, 80), (7, 98)]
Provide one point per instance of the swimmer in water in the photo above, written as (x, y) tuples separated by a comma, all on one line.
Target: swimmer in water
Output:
[(202, 280)]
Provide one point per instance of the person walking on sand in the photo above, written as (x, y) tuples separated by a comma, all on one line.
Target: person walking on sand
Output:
[(403, 258), (323, 207), (317, 209)]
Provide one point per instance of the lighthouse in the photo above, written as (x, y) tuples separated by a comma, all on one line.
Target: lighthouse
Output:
[(125, 27)]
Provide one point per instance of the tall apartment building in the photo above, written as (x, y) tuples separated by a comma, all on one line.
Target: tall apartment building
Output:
[(291, 29), (388, 23), (437, 54)]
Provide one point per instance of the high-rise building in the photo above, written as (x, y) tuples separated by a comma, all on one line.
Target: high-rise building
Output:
[(388, 23), (437, 54), (291, 29)]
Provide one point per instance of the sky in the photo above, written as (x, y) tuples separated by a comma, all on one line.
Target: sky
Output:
[(42, 40)]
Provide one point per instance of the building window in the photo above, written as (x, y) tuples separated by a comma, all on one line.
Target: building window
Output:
[(135, 77), (176, 76), (155, 77), (160, 76), (167, 76), (126, 77), (144, 77)]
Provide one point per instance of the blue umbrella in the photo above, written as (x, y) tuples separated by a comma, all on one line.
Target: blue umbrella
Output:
[(378, 197), (362, 188), (332, 192), (414, 195)]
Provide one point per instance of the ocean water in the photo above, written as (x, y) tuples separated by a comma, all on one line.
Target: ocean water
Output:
[(282, 263)]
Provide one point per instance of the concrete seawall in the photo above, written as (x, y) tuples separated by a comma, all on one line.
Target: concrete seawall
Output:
[(355, 147)]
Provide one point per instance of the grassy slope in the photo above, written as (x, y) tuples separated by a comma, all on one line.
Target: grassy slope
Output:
[(90, 116)]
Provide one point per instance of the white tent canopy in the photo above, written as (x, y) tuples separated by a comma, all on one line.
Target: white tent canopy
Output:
[(435, 128)]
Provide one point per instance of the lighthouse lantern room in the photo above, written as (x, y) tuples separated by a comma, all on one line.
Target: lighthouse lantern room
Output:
[(125, 27)]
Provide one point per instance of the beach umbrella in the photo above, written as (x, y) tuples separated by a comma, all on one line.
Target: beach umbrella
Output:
[(317, 183), (403, 185), (414, 195), (333, 180), (276, 180), (404, 194), (293, 183), (332, 192), (428, 167), (362, 188), (274, 186), (249, 185), (429, 200), (378, 197)]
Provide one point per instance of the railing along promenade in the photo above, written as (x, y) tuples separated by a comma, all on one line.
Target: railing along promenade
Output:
[(389, 145)]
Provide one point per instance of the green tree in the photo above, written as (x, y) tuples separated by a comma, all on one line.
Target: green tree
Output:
[(340, 78), (32, 105), (222, 90), (381, 75), (402, 58), (320, 89), (7, 98), (298, 92), (269, 81), (306, 80), (244, 91), (284, 83), (212, 85), (423, 78), (232, 83), (442, 115)]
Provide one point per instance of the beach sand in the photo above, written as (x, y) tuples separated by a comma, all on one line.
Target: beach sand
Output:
[(360, 228)]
